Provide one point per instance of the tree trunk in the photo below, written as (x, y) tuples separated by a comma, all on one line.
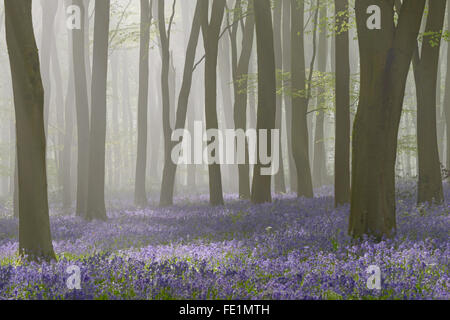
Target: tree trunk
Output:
[(320, 175), (240, 71), (425, 74), (342, 131), (266, 114), (385, 60), (211, 31), (96, 186), (48, 21), (447, 99), (66, 165), (169, 171), (286, 35), (82, 110), (279, 181), (140, 196), (299, 140), (34, 223)]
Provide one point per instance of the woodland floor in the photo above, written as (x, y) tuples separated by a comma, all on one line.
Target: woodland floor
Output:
[(290, 249)]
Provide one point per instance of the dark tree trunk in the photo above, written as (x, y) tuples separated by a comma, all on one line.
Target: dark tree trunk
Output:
[(164, 36), (211, 32), (342, 131), (261, 191), (240, 71), (299, 140), (286, 35), (34, 224), (425, 74), (169, 171), (140, 196), (385, 60), (96, 186), (320, 175), (82, 111), (279, 181), (447, 99)]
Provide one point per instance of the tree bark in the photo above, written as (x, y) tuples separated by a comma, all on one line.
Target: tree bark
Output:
[(34, 223), (266, 114), (385, 60), (425, 74), (96, 186), (140, 195), (169, 171), (447, 99), (320, 174), (240, 71), (342, 130), (279, 181), (211, 31), (286, 35), (82, 110), (299, 140)]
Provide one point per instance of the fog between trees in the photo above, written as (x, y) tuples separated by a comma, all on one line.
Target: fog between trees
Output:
[(114, 90)]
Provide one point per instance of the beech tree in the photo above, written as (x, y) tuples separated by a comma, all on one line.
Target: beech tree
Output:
[(140, 196), (279, 181), (82, 109), (266, 113), (447, 98), (425, 65), (211, 32), (34, 222), (342, 127), (96, 183), (240, 67), (169, 171), (320, 174), (385, 54), (300, 145)]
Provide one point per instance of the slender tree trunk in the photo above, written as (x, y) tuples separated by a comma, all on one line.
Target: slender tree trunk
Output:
[(261, 191), (425, 74), (299, 102), (169, 171), (286, 35), (385, 60), (34, 223), (140, 196), (447, 98), (320, 175), (96, 186), (240, 71), (342, 131), (211, 32), (164, 36), (279, 181), (82, 111)]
